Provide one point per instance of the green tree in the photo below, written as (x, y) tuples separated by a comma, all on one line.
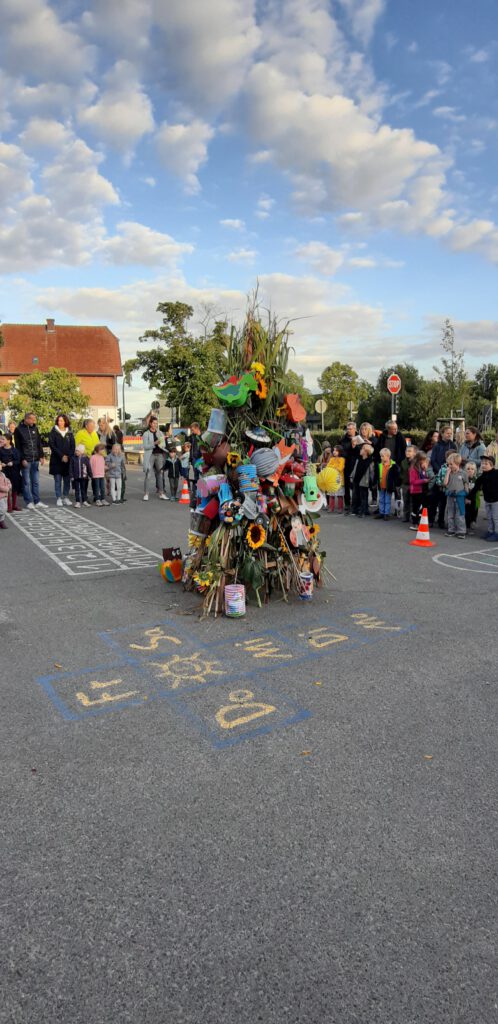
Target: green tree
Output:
[(451, 372), (47, 394), (486, 382), (182, 368), (294, 385), (340, 385), (414, 401)]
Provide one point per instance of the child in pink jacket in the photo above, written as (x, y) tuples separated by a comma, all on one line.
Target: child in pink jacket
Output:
[(419, 486), (97, 465)]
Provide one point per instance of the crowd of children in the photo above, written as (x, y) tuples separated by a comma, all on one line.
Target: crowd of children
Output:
[(394, 479)]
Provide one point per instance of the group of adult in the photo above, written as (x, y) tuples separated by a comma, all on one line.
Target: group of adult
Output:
[(436, 444), (162, 455), (22, 454)]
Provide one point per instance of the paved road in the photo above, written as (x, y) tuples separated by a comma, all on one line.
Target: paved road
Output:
[(286, 819)]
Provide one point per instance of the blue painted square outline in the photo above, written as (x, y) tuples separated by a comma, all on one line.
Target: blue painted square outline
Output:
[(73, 716), (183, 709)]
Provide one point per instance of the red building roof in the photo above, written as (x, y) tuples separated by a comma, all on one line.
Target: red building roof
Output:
[(85, 351)]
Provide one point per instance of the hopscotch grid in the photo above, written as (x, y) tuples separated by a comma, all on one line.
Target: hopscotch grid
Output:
[(73, 536), (112, 532), (68, 531)]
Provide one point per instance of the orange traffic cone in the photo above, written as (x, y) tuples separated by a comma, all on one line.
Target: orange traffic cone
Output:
[(423, 538), (185, 495)]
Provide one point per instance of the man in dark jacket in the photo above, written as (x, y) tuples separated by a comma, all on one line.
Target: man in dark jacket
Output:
[(29, 445), (393, 439), (350, 459)]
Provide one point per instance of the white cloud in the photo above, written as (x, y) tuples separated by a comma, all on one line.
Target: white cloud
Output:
[(151, 182), (427, 98), (264, 206), (136, 243), (183, 149), (37, 236), (479, 56), (206, 48), (242, 256), (321, 257), (15, 175), (235, 224), (123, 113), (343, 156), (73, 183), (44, 133), (362, 262), (124, 25), (449, 114), (37, 43), (363, 15)]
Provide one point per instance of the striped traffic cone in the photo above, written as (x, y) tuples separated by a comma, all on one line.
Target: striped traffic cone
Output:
[(185, 495), (423, 539)]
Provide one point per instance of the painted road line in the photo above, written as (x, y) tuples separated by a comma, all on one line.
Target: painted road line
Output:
[(466, 561), (80, 547)]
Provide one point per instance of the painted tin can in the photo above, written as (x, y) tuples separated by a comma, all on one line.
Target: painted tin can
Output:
[(306, 581), (235, 600)]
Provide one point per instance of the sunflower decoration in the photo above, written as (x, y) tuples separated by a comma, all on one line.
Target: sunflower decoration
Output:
[(255, 536), (314, 530), (258, 369), (203, 581), (233, 459), (262, 389)]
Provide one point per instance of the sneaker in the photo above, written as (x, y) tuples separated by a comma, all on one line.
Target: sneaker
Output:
[(491, 536), (77, 504), (146, 497), (448, 534), (164, 497), (414, 528), (105, 502), (67, 502), (97, 503), (460, 536), (386, 518), (86, 504), (31, 504), (3, 525), (59, 503), (41, 504)]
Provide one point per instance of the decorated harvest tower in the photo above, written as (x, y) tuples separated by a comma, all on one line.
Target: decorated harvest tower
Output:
[(255, 526)]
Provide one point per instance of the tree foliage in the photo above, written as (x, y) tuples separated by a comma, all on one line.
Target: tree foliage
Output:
[(341, 385), (181, 367), (47, 394), (451, 372)]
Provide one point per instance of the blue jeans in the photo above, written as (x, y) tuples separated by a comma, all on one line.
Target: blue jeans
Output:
[(98, 488), (30, 483), (62, 485), (385, 501)]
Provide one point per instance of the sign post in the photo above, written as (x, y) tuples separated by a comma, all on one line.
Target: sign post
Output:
[(394, 388), (321, 407)]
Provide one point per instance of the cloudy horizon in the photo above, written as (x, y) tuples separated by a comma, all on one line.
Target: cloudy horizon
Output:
[(341, 153)]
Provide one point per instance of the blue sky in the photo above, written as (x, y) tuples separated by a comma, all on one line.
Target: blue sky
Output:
[(343, 153)]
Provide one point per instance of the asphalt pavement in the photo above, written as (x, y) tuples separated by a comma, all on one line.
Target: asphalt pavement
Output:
[(287, 818)]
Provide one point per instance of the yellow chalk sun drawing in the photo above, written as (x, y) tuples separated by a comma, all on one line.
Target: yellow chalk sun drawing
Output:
[(187, 669)]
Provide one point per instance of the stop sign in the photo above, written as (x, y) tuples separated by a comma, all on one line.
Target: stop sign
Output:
[(394, 384)]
